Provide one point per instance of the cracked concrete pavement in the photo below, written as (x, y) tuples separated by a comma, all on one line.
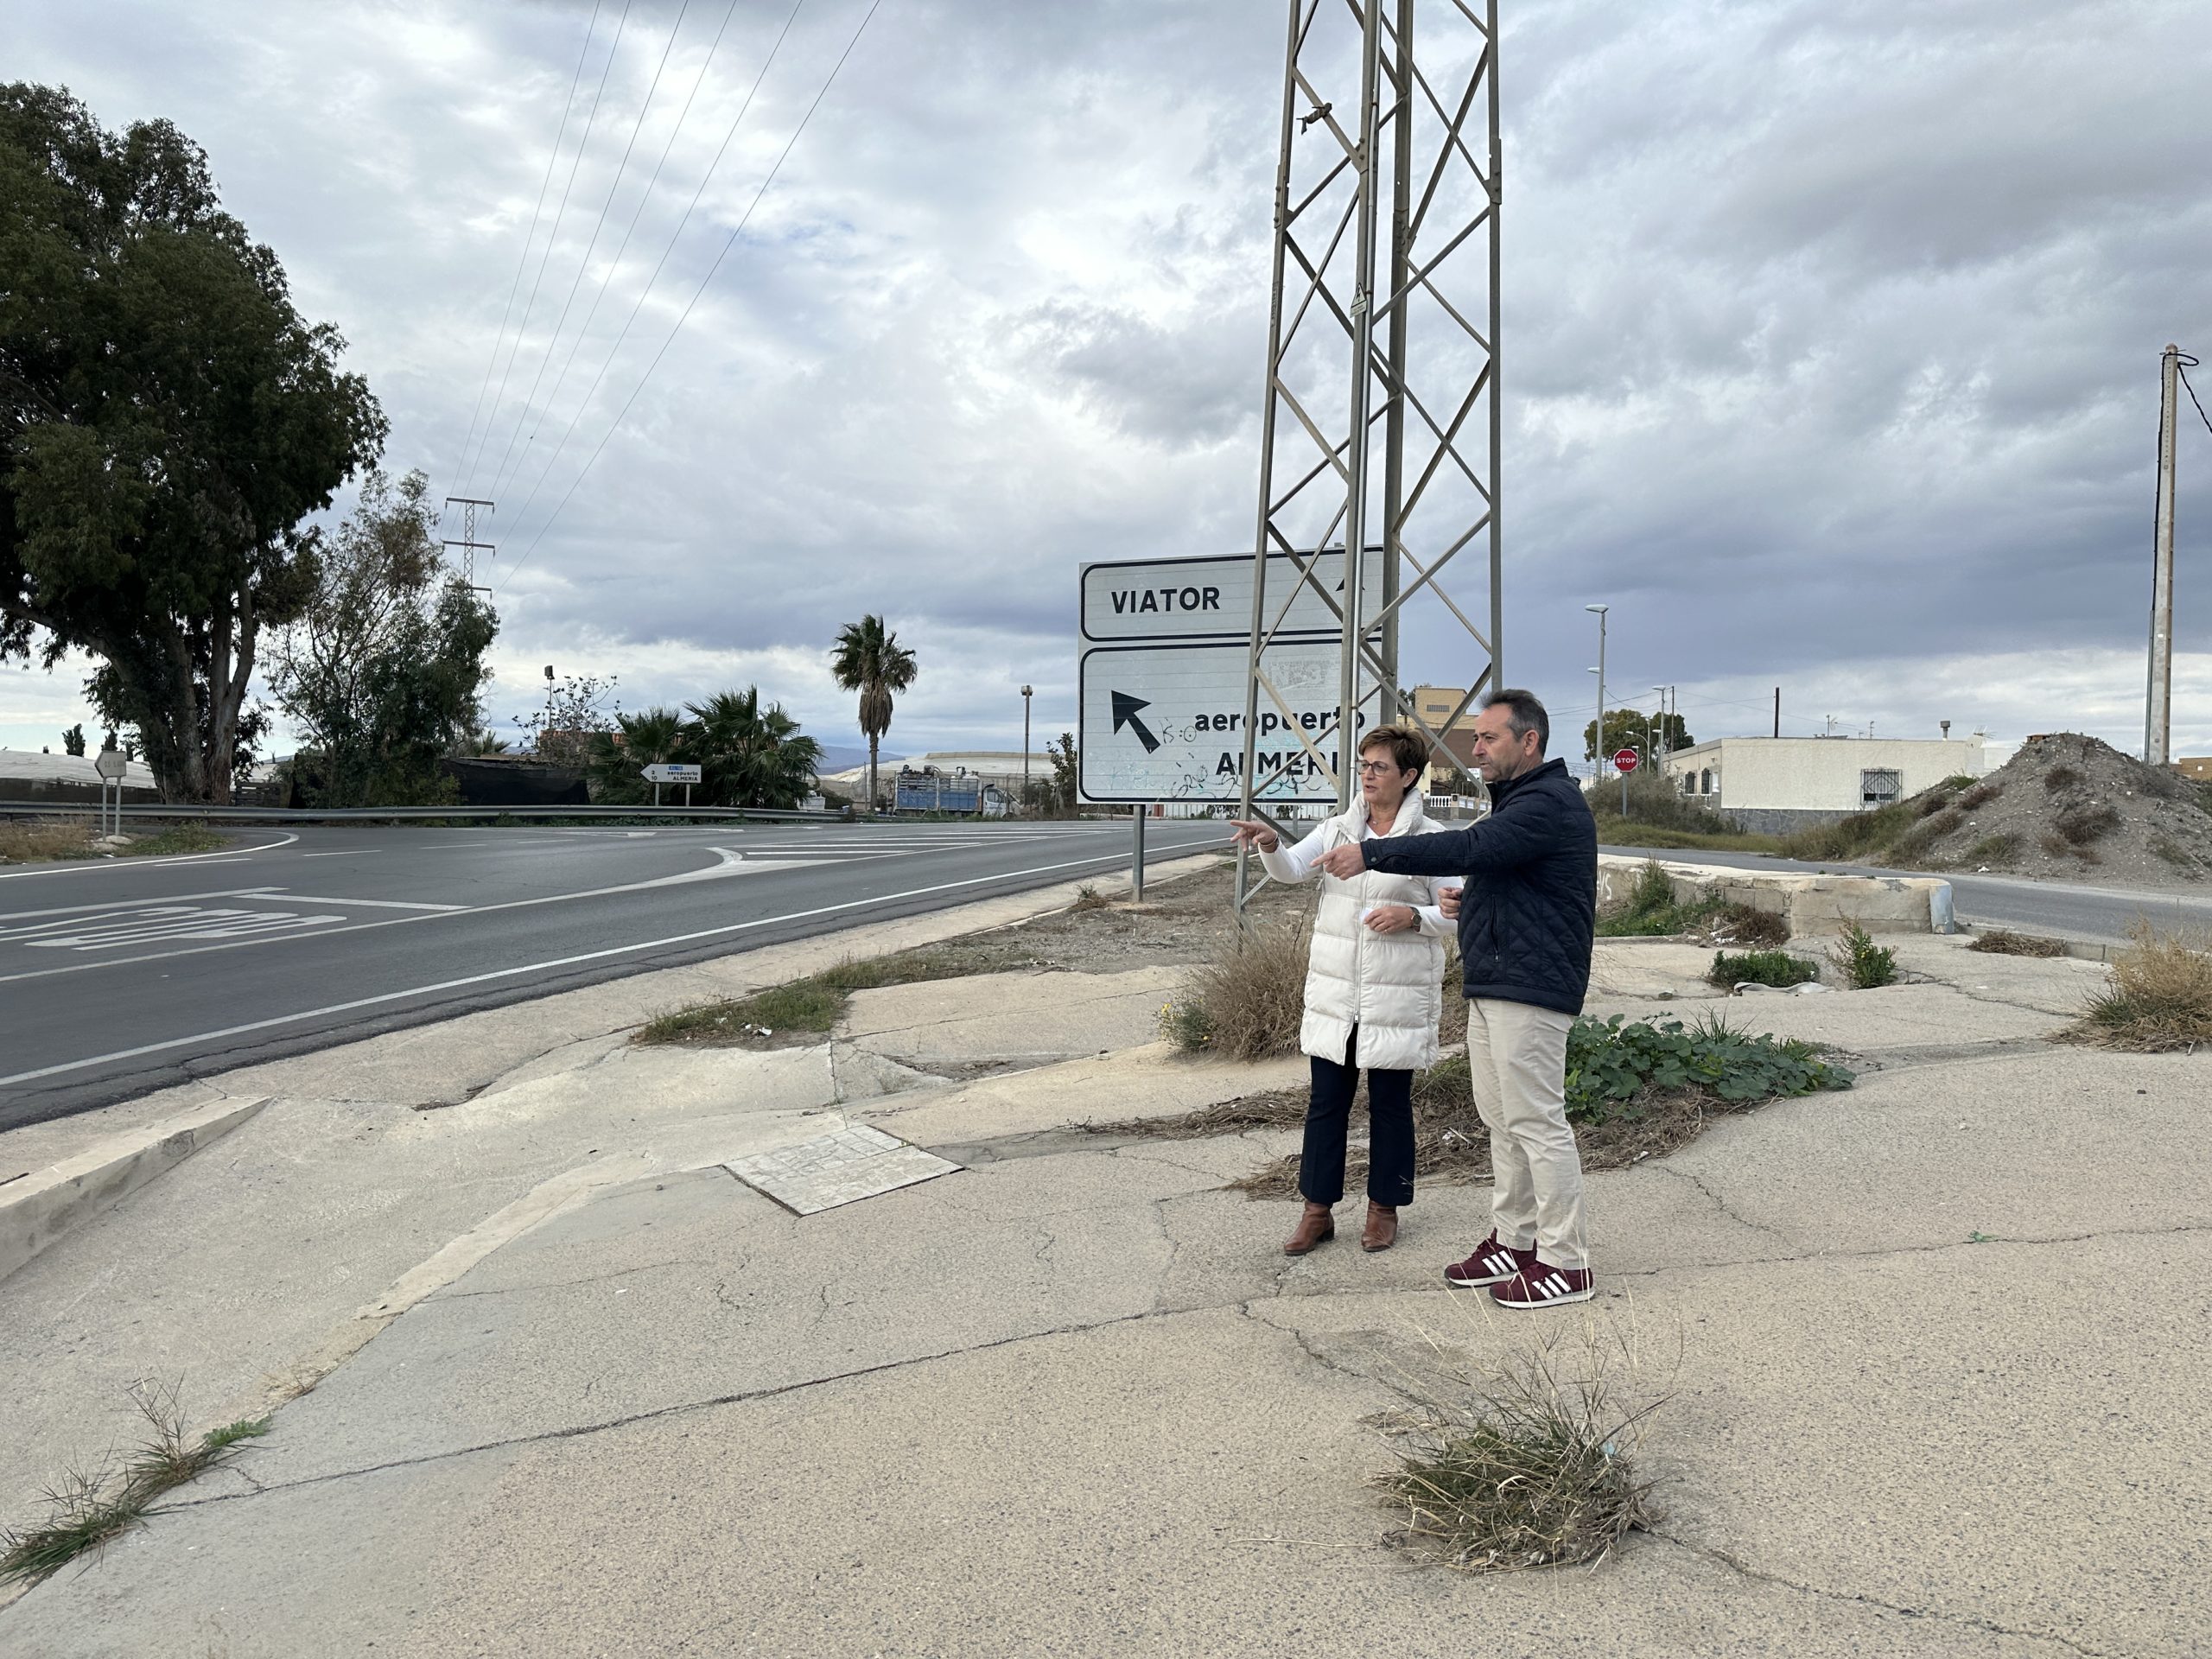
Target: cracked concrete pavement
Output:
[(1935, 1348)]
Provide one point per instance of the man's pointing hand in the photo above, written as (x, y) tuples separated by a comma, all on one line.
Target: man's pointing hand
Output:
[(1345, 862)]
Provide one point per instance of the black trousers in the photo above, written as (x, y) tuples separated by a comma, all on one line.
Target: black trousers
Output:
[(1328, 1121)]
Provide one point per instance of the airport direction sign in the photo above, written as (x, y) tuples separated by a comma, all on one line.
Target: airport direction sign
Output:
[(674, 771), (111, 765), (1164, 721)]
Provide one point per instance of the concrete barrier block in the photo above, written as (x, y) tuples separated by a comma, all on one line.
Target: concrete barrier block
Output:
[(1813, 906), (41, 1207)]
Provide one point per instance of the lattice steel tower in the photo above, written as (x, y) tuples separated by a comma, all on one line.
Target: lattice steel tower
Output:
[(1382, 325)]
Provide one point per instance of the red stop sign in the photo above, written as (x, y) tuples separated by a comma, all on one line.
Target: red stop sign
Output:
[(1624, 760)]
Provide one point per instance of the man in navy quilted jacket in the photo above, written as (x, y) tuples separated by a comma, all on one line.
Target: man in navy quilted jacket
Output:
[(1526, 920)]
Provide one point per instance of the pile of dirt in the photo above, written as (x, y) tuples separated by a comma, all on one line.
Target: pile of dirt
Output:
[(2065, 806)]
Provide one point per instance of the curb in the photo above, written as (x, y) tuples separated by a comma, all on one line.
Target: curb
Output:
[(41, 1207)]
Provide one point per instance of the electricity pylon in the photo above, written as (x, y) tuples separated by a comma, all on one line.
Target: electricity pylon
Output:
[(1385, 287)]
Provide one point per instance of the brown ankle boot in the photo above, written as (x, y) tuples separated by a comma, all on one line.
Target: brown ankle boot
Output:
[(1317, 1226), (1382, 1230)]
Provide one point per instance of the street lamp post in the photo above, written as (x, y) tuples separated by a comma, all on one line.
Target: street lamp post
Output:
[(1025, 751), (1598, 759)]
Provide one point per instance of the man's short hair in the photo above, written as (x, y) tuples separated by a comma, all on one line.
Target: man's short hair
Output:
[(1408, 746), (1525, 714)]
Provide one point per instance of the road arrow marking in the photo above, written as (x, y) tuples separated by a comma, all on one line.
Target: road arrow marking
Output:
[(1125, 714)]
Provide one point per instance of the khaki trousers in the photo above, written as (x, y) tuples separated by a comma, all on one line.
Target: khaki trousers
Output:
[(1517, 1055)]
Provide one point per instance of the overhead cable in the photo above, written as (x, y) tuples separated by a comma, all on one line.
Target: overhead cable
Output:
[(524, 415), (873, 6), (567, 184), (645, 293), (522, 262)]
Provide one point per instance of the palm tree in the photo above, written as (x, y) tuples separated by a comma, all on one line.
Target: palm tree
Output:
[(753, 756), (870, 660), (615, 761)]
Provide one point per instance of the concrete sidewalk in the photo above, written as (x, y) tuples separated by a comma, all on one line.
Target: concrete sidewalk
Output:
[(1071, 1400)]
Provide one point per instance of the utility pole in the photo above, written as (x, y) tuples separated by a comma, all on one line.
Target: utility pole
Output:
[(1777, 711), (2158, 720), (1025, 751), (1598, 740), (468, 544)]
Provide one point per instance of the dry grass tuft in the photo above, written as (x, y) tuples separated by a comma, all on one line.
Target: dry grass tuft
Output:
[(1248, 999), (1979, 795), (2084, 826), (2159, 997), (22, 840), (2061, 778), (2004, 943), (1535, 1464), (1088, 897)]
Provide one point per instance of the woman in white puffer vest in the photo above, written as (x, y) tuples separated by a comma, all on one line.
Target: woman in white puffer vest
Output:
[(1373, 990)]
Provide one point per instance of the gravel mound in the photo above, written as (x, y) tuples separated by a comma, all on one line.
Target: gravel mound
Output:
[(2065, 806)]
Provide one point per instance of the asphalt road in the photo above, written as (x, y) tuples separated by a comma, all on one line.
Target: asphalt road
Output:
[(124, 975), (2102, 914)]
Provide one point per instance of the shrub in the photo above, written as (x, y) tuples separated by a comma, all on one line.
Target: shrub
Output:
[(2174, 854), (1761, 967), (1247, 999), (1995, 849), (2058, 846), (2059, 778), (1088, 897), (1852, 837), (1980, 796), (2002, 942), (1654, 799), (2158, 996), (2084, 826), (1941, 824), (1745, 926), (1868, 965), (1648, 911)]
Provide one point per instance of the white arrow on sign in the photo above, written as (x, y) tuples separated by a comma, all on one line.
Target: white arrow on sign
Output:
[(1166, 723), (674, 771)]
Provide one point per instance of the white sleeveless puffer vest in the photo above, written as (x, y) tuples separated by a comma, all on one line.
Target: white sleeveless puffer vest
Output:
[(1391, 985)]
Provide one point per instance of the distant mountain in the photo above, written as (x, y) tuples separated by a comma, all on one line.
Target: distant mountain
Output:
[(839, 757)]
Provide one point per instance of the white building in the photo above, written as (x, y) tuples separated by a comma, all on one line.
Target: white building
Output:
[(1774, 785), (1001, 768)]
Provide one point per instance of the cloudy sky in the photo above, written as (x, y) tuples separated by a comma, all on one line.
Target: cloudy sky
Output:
[(1832, 329)]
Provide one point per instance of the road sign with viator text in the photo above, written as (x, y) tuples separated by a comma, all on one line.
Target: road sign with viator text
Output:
[(1161, 682)]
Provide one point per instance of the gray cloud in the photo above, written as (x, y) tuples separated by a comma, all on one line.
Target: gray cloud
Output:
[(1830, 355)]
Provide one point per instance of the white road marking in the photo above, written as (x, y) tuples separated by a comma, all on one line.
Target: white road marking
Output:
[(270, 1024), (357, 852), (291, 898), (151, 863), (150, 923)]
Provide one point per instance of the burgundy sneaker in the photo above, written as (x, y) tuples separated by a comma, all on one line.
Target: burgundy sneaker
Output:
[(1541, 1286), (1492, 1263)]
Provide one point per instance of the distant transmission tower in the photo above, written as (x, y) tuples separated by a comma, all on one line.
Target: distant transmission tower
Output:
[(469, 546), (1381, 433)]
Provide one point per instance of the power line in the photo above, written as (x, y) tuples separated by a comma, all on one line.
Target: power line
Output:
[(2182, 366), (645, 293), (522, 416), (567, 184), (873, 5), (614, 264), (522, 264)]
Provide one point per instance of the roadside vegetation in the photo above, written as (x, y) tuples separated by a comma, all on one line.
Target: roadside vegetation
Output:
[(2157, 996), (802, 1009), (1867, 965), (1776, 968), (2002, 942), (86, 1511), (1650, 911), (1635, 1089), (1247, 999), (1533, 1463), (33, 840), (1658, 816)]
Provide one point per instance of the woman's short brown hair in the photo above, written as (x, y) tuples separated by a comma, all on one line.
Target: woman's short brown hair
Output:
[(1408, 746)]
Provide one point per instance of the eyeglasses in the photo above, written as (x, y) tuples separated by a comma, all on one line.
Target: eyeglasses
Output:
[(1377, 768)]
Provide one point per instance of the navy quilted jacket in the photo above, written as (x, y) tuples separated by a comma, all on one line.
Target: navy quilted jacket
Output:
[(1531, 904)]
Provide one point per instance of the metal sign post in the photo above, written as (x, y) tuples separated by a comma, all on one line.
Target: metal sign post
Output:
[(113, 769), (1625, 762), (1136, 856)]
